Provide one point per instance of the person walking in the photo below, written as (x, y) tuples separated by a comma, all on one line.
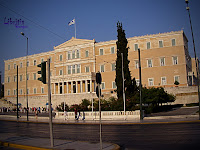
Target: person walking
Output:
[(36, 113)]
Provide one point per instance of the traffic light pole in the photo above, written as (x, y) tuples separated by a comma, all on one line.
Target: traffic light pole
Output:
[(49, 99), (100, 117)]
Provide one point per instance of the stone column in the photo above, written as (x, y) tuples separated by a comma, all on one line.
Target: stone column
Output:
[(71, 86), (90, 85), (67, 86), (54, 88), (81, 85), (76, 86), (86, 87), (58, 87)]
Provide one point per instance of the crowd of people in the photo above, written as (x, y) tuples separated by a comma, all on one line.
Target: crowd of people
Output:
[(24, 109)]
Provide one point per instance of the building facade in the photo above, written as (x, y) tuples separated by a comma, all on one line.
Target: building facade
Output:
[(164, 60)]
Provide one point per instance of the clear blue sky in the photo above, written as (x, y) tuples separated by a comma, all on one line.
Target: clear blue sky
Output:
[(94, 20)]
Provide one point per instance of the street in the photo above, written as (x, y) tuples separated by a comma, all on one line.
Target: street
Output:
[(128, 136)]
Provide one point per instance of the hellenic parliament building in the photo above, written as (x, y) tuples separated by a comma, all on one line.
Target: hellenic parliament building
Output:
[(164, 60)]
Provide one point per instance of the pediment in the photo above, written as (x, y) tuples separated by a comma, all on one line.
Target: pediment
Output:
[(73, 42)]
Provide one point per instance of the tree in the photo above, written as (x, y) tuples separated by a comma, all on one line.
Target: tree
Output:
[(129, 85)]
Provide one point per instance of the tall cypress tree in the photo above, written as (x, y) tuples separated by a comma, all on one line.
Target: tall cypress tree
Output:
[(122, 48)]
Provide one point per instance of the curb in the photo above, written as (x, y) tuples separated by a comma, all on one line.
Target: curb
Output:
[(7, 144)]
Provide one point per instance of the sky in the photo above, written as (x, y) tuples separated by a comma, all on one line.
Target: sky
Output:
[(46, 22)]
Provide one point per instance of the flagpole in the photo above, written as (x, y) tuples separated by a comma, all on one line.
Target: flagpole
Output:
[(75, 27)]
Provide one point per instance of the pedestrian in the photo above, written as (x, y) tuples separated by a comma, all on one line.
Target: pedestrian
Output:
[(79, 114), (83, 115), (75, 113), (36, 113)]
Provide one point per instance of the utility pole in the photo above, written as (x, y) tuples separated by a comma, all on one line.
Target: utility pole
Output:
[(141, 113), (196, 60), (49, 101)]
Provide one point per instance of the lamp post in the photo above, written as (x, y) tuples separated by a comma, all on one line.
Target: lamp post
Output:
[(26, 73), (196, 60)]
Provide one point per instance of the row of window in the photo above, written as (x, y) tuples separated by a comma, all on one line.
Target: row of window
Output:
[(21, 91), (28, 64), (162, 62), (160, 43), (76, 53), (21, 77), (73, 69), (163, 81)]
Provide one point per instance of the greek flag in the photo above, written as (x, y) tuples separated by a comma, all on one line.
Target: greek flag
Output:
[(71, 22)]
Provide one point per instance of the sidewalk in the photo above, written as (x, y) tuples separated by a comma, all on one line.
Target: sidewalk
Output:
[(13, 141)]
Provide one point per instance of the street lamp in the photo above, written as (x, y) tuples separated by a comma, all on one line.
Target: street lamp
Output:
[(196, 60), (26, 74)]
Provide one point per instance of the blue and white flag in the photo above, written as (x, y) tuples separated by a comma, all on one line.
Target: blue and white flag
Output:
[(71, 22)]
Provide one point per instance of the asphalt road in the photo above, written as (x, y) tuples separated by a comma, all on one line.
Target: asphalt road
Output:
[(131, 136)]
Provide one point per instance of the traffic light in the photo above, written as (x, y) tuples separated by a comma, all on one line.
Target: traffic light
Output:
[(98, 77), (42, 72)]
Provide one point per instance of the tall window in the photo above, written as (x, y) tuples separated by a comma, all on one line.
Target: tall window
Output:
[(113, 67), (177, 78), (20, 78), (148, 45), (14, 91), (14, 66), (27, 63), (34, 62), (162, 61), (77, 54), (42, 90), (87, 53), (78, 68), (60, 57), (87, 69), (114, 86), (163, 81), (136, 64), (102, 85), (60, 72), (8, 92), (34, 90), (173, 42), (150, 82), (112, 50), (69, 55), (175, 60), (69, 69), (21, 92), (73, 69), (34, 76), (100, 51), (149, 63), (73, 54), (8, 79), (136, 47), (15, 78), (160, 44), (102, 68), (8, 67), (21, 64)]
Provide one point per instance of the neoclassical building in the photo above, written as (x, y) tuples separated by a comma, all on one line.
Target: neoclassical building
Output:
[(164, 60)]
